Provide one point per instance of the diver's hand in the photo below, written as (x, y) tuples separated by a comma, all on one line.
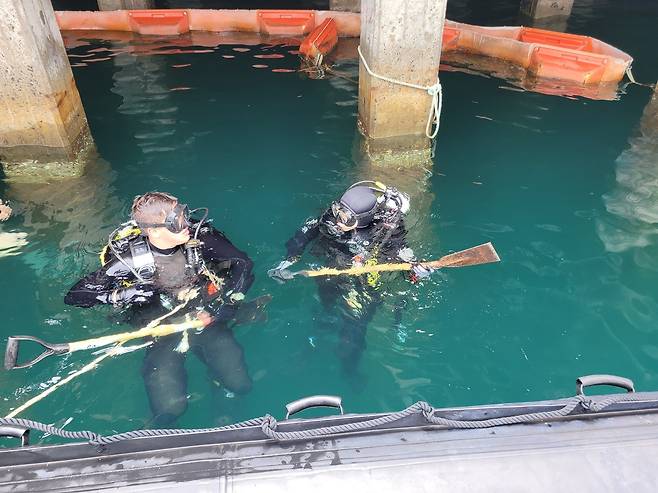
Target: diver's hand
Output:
[(187, 294), (134, 294), (204, 317), (280, 273), (419, 272), (5, 211)]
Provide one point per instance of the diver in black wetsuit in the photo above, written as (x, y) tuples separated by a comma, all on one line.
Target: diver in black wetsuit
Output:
[(150, 265), (364, 227)]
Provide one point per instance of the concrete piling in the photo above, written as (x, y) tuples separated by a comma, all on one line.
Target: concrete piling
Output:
[(125, 4), (345, 5), (44, 130), (545, 9), (400, 40)]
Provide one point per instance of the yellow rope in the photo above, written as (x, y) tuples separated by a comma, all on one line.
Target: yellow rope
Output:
[(92, 364)]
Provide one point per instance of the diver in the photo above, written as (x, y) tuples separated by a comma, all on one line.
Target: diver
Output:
[(364, 227), (150, 265), (5, 211)]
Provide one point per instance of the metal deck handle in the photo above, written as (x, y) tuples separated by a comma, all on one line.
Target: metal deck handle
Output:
[(314, 401), (615, 381), (15, 431)]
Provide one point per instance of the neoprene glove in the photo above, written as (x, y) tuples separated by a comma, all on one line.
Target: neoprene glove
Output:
[(133, 294), (419, 272), (280, 273)]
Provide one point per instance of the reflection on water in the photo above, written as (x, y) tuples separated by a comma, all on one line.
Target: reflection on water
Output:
[(65, 221), (633, 205), (140, 81), (11, 243)]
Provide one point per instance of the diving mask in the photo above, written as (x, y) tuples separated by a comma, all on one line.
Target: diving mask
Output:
[(345, 218), (176, 221)]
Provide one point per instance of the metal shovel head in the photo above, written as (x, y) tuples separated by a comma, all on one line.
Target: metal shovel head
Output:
[(481, 254)]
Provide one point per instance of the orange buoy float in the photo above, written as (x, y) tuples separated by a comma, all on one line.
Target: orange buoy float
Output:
[(320, 41)]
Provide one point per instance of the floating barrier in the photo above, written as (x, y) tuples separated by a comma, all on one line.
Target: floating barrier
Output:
[(320, 42), (544, 55), (179, 21)]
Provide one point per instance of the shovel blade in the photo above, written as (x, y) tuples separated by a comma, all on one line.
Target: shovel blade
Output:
[(481, 254)]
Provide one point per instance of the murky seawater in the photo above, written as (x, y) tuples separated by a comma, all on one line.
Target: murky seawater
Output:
[(565, 188)]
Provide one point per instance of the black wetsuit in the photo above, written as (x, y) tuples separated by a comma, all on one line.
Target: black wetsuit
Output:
[(355, 297), (163, 370)]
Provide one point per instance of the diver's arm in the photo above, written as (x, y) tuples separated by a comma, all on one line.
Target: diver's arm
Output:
[(104, 287), (296, 245), (217, 248), (406, 254)]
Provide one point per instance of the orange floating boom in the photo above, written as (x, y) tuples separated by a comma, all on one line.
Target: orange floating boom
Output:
[(543, 54)]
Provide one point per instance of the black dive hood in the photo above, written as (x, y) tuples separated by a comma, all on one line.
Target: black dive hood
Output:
[(361, 202)]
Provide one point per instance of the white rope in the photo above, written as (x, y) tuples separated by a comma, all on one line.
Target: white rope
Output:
[(631, 78), (629, 73), (435, 91), (88, 367)]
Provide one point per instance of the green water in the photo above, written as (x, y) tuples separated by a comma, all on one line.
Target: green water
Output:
[(565, 188)]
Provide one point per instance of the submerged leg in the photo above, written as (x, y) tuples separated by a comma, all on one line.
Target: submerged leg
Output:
[(166, 381), (217, 348), (359, 309), (328, 292)]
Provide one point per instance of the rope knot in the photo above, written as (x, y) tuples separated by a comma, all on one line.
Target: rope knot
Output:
[(586, 404), (269, 425), (434, 89), (426, 410)]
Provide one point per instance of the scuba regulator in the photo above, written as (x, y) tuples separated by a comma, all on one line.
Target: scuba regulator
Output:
[(193, 258)]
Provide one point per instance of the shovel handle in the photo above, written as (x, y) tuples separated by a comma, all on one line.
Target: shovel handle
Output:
[(11, 353)]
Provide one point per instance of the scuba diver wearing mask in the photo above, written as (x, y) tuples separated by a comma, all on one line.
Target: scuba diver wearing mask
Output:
[(364, 227), (150, 265)]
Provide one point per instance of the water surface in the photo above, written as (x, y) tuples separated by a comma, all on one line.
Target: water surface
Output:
[(565, 188)]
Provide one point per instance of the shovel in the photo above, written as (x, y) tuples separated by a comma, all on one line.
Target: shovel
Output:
[(481, 254)]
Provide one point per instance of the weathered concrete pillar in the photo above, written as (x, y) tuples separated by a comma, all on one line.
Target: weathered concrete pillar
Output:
[(44, 130), (400, 40), (125, 4), (543, 9), (345, 5)]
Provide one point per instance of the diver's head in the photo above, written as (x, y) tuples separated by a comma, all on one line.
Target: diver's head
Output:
[(355, 209), (163, 219)]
